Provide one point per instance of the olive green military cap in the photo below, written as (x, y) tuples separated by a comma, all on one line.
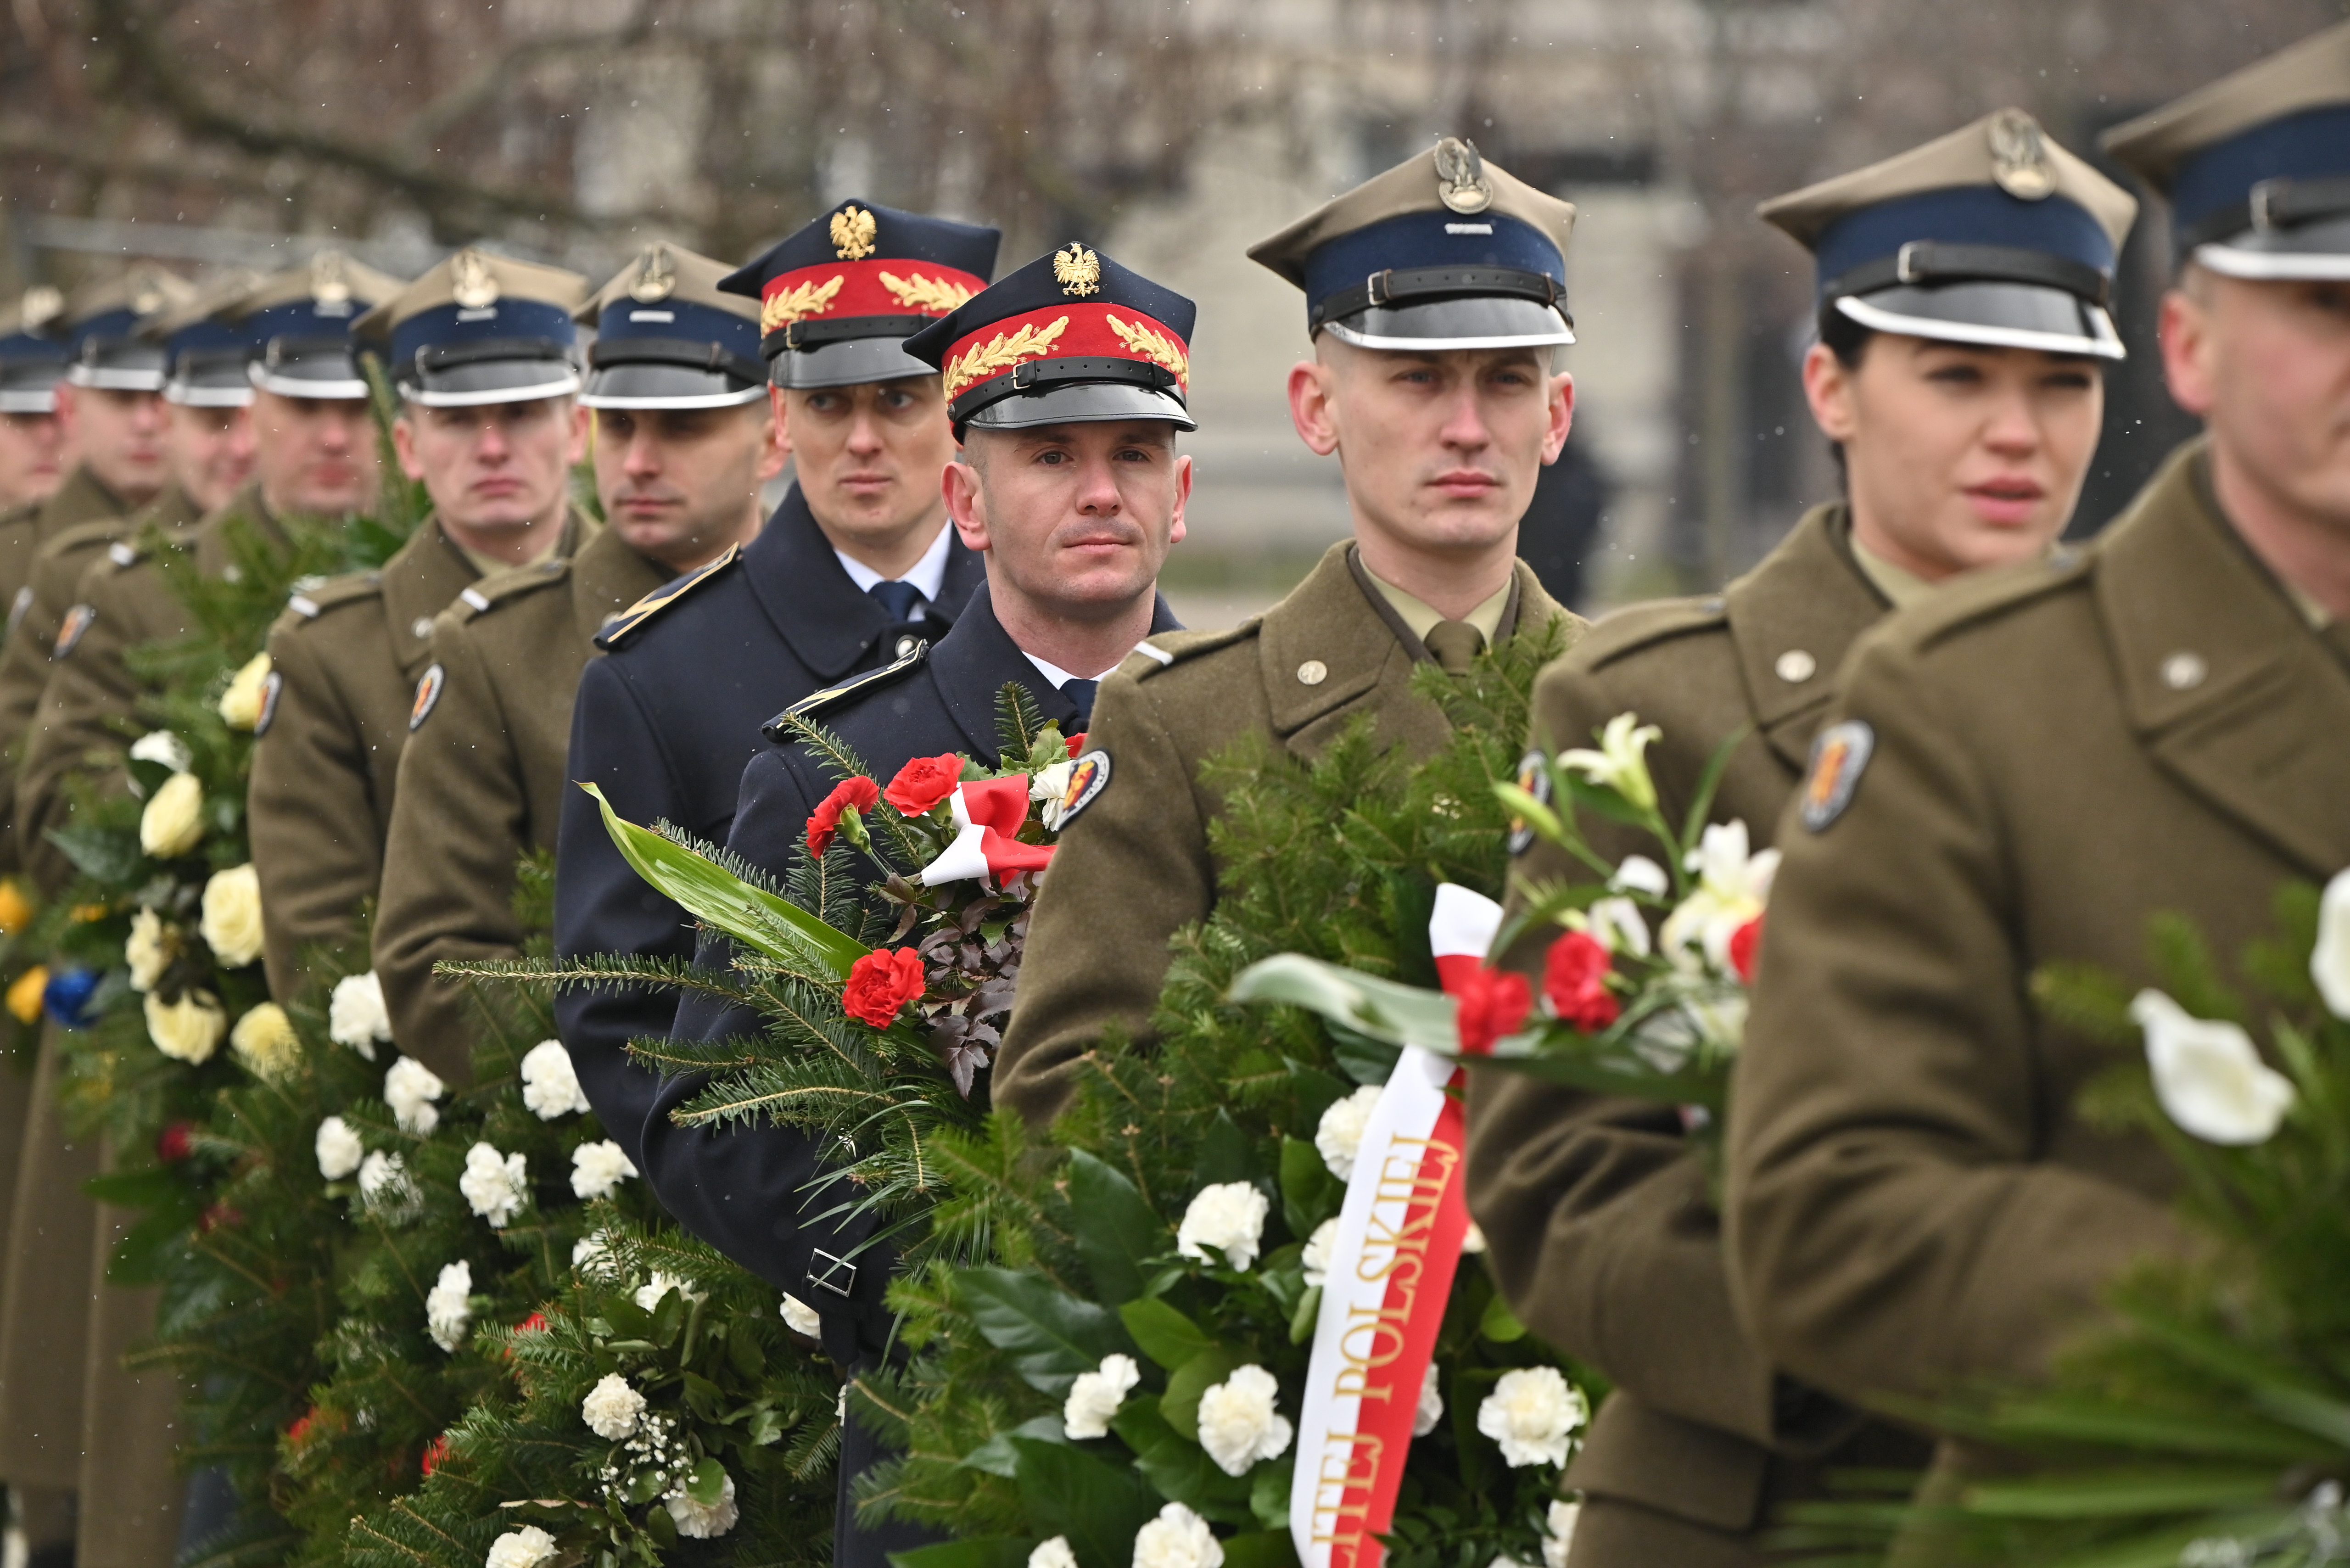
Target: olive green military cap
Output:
[(205, 355), (480, 329), (668, 337), (104, 348), (301, 322)]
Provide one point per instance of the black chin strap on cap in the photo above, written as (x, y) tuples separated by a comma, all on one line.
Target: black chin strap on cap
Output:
[(1928, 262), (1414, 285)]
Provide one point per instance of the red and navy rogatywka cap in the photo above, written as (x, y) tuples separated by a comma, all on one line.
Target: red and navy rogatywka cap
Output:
[(1071, 337), (838, 298)]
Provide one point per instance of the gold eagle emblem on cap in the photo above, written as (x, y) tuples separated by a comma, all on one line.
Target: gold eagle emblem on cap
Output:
[(470, 282), (852, 232), (656, 276), (42, 305), (2020, 164), (147, 293), (329, 282), (1461, 182), (1077, 270)]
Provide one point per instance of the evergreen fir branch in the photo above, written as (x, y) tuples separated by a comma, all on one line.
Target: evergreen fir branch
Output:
[(600, 971), (1018, 720)]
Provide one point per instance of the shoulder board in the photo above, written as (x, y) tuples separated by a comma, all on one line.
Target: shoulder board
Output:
[(82, 536), (661, 597), (832, 697), (1982, 598), (1636, 626), (498, 588), (316, 599), (1166, 650)]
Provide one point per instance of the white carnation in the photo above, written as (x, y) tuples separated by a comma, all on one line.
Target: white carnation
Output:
[(598, 1168), (248, 691), (697, 1521), (1532, 1413), (1340, 1135), (409, 1089), (649, 1293), (549, 1086), (1053, 1553), (1178, 1538), (1431, 1404), (339, 1149), (383, 1180), (2329, 962), (1229, 1216), (355, 1015), (1316, 1256), (591, 1255), (801, 1318), (529, 1547), (231, 922), (164, 747), (1096, 1396), (1240, 1421), (495, 1185), (1560, 1526), (611, 1407), (449, 1306), (148, 951)]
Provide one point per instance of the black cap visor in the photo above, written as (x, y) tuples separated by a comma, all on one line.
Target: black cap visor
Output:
[(1082, 402), (1466, 321), (654, 385), (30, 386), (474, 376), (846, 363), (209, 379), (120, 365), (322, 368), (2318, 251), (1988, 315)]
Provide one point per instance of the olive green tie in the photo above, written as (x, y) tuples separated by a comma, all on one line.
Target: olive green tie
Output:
[(1454, 643)]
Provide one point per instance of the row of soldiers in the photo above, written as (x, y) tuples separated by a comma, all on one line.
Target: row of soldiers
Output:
[(1966, 779)]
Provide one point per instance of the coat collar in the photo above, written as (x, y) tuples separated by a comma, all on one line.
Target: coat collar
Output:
[(215, 552), (829, 624), (972, 663), (1800, 610), (2228, 687), (82, 498), (606, 578), (428, 571)]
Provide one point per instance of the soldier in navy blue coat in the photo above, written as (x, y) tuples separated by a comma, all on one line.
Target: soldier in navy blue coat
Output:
[(1069, 484), (856, 567)]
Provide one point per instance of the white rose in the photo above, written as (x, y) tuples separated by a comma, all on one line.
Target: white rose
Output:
[(1096, 1396), (529, 1547), (1316, 1256), (409, 1089), (449, 1307), (231, 922), (801, 1319), (649, 1293), (597, 1169), (591, 1255), (2208, 1075), (1560, 1528), (339, 1149), (495, 1185), (1178, 1538), (1240, 1422), (265, 1041), (240, 706), (1339, 1134), (1230, 1216), (148, 951), (611, 1407), (164, 747), (174, 822), (355, 1015), (1053, 1553), (1532, 1413), (549, 1086), (1431, 1404), (383, 1179), (188, 1030), (699, 1522), (2329, 962)]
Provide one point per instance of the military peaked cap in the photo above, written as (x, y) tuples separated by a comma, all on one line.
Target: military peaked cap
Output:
[(204, 354), (32, 358), (668, 337), (103, 347), (301, 322), (480, 329)]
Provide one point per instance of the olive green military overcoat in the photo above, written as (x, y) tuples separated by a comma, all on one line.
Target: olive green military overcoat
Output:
[(482, 776), (2050, 756), (345, 658), (1600, 1221), (1134, 868)]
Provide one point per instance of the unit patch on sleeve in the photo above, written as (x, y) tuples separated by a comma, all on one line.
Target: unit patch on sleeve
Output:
[(1087, 779), (270, 688), (69, 635), (1533, 778), (1838, 758), (428, 693)]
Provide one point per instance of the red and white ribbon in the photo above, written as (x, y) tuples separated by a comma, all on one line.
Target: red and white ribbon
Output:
[(1389, 1275), (987, 813)]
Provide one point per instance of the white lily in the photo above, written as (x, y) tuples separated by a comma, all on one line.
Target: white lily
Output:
[(2329, 964), (1618, 763), (2208, 1075), (1615, 924), (1732, 886)]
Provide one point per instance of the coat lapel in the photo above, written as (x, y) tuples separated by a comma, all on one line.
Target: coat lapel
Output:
[(418, 583), (2230, 689), (1800, 610), (974, 663), (1324, 647)]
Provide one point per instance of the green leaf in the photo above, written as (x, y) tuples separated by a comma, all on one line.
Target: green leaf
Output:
[(1360, 1057), (1117, 1229), (705, 1399), (708, 1483), (2123, 1494), (1395, 1014), (1262, 1548), (1499, 1323), (1165, 1335), (1180, 1404), (1309, 1312), (752, 916), (1178, 1468), (1051, 1337), (1309, 1192), (998, 1458), (1269, 1495), (1226, 1153), (979, 1552), (744, 1352), (149, 1188), (1098, 1506), (668, 1316)]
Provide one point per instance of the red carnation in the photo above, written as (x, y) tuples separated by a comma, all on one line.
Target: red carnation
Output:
[(881, 983), (923, 783), (1743, 943), (436, 1453), (175, 1143), (1574, 978), (1075, 743), (1494, 1002), (300, 1429), (849, 795), (534, 1324)]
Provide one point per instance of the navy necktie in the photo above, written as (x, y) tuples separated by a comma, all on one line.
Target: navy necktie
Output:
[(903, 601), (1081, 692)]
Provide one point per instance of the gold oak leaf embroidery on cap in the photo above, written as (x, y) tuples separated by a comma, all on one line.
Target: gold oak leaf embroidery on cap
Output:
[(932, 296), (810, 298), (1001, 353), (1151, 347)]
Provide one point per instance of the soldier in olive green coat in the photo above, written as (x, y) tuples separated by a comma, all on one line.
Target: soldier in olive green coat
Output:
[(2025, 770), (1964, 423), (1441, 444), (684, 439)]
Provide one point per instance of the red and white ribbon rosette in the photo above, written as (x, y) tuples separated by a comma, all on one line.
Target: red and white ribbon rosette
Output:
[(988, 814)]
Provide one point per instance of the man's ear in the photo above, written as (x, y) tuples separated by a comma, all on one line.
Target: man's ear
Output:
[(2186, 333), (963, 486), (1562, 416), (403, 444), (1313, 405), (776, 400)]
